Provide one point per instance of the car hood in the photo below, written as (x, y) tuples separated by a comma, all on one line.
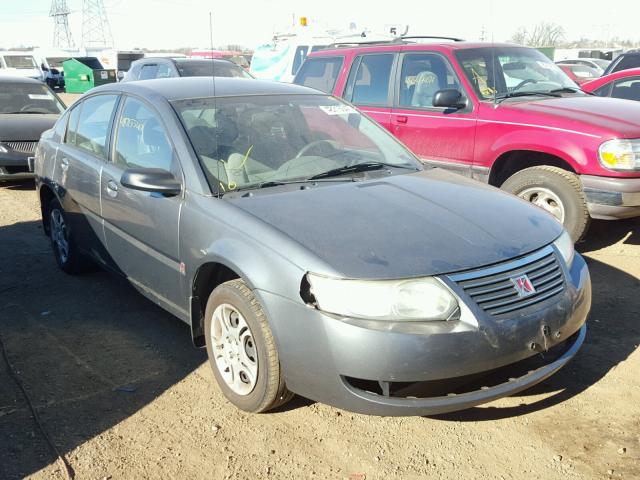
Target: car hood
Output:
[(600, 116), (27, 127), (427, 223)]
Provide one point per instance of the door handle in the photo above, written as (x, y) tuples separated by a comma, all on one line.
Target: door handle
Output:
[(64, 164), (402, 119), (112, 188)]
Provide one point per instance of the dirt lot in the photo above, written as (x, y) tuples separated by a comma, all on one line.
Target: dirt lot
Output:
[(124, 394)]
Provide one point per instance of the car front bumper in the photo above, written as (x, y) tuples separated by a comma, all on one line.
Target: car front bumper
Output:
[(611, 198), (367, 370), (16, 166)]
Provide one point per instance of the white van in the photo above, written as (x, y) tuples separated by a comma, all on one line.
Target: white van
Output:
[(22, 64), (281, 58)]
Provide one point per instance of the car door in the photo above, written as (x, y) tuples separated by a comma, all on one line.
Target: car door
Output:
[(142, 228), (437, 135), (369, 85), (81, 156)]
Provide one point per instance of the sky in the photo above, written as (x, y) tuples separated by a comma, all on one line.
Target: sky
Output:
[(166, 24)]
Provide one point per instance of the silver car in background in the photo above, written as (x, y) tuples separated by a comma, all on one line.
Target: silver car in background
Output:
[(308, 250)]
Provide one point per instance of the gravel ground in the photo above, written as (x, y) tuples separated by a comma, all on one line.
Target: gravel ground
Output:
[(123, 393)]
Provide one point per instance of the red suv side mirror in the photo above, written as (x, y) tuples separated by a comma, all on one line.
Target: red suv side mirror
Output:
[(449, 98)]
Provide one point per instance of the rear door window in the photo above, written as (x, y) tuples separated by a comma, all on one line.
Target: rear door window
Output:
[(72, 128), (149, 71), (369, 80), (320, 73), (94, 122)]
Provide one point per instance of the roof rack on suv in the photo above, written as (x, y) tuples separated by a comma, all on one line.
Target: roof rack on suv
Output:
[(431, 37), (393, 41)]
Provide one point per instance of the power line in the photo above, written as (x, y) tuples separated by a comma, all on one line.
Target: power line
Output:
[(62, 37), (96, 31)]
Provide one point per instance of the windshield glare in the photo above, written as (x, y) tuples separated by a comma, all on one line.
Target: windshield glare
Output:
[(245, 141), (28, 98), (517, 69)]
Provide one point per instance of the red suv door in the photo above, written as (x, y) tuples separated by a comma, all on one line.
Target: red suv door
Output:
[(436, 135), (369, 85)]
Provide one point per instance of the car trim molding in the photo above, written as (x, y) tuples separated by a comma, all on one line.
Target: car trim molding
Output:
[(558, 129)]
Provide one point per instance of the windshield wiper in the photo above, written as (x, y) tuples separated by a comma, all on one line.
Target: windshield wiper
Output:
[(277, 183), (571, 90), (504, 96), (360, 167)]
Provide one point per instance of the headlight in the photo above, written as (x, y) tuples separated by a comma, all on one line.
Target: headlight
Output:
[(620, 154), (421, 299), (3, 149), (564, 244)]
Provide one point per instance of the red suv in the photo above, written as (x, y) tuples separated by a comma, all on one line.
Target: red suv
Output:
[(500, 113)]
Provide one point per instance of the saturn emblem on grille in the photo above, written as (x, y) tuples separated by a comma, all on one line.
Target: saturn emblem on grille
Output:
[(523, 286)]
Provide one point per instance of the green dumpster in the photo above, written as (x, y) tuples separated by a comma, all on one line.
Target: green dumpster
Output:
[(84, 73)]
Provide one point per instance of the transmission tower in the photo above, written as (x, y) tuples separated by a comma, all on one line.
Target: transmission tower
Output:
[(61, 34), (96, 31)]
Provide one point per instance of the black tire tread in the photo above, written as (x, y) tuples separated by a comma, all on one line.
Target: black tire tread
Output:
[(277, 393)]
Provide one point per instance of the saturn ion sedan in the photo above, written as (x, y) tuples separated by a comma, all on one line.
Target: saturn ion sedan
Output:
[(308, 250)]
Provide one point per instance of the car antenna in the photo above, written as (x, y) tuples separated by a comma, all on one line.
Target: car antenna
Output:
[(493, 56), (215, 112)]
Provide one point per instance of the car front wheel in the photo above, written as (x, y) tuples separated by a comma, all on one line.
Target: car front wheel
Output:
[(241, 349), (555, 190)]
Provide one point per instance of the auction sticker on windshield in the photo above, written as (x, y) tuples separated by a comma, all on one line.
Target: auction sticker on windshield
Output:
[(337, 109)]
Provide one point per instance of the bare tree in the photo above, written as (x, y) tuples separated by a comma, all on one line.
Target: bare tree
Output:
[(544, 34)]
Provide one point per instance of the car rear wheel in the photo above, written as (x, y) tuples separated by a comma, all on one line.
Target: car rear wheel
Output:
[(555, 190), (241, 349), (65, 251)]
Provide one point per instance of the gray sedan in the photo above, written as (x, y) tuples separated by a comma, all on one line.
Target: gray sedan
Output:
[(308, 250)]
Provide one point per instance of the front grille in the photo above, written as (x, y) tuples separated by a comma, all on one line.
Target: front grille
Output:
[(492, 289), (23, 147)]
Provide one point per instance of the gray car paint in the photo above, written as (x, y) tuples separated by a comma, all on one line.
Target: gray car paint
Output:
[(371, 229)]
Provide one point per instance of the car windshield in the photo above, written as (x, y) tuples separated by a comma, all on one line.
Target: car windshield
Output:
[(20, 61), (28, 98), (251, 141), (204, 68), (518, 70)]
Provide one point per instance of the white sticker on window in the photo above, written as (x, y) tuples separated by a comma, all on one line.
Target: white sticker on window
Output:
[(337, 109), (34, 96)]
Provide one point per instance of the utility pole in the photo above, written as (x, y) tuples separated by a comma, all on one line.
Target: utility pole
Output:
[(62, 37), (96, 31)]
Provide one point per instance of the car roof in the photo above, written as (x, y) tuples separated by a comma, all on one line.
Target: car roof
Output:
[(182, 60), (8, 78), (394, 46), (182, 88)]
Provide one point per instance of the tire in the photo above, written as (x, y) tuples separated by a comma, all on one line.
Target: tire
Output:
[(70, 260), (556, 189), (244, 387)]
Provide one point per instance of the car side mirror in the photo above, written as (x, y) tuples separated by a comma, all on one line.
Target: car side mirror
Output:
[(153, 180), (449, 98)]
